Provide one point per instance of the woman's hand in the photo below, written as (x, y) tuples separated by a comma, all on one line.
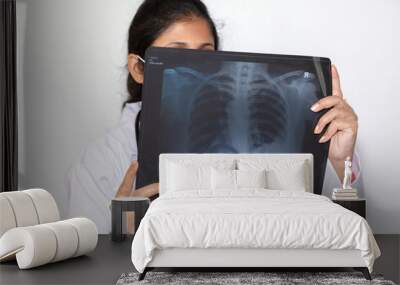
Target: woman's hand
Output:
[(126, 186), (148, 191), (343, 125)]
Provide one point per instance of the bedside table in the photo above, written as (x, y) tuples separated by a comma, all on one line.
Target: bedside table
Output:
[(358, 206), (139, 205)]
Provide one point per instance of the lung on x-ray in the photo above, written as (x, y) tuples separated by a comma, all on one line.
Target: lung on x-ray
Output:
[(225, 102)]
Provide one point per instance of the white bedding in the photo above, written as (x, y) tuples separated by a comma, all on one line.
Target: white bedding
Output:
[(250, 219)]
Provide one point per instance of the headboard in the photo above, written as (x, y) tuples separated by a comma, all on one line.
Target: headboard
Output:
[(209, 158)]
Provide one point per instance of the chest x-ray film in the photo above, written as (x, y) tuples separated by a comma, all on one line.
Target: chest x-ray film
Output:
[(226, 102)]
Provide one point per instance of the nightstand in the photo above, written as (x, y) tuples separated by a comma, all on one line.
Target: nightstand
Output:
[(139, 205), (358, 206)]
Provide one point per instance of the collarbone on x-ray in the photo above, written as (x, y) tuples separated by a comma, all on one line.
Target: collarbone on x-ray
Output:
[(241, 108)]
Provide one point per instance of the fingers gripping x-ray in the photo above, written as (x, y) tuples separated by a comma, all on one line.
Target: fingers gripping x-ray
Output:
[(241, 107)]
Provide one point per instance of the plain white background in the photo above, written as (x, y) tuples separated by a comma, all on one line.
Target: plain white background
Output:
[(72, 56)]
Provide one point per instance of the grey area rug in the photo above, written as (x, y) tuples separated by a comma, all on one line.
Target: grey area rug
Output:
[(229, 278)]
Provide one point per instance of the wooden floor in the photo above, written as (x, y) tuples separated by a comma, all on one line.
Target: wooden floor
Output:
[(110, 260)]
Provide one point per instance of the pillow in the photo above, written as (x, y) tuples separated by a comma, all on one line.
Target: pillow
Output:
[(281, 174), (291, 178), (230, 180), (188, 177), (223, 179), (251, 178)]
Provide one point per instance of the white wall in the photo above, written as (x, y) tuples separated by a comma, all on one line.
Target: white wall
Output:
[(73, 76), (72, 82)]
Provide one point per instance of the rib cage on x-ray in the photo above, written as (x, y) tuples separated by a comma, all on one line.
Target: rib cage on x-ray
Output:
[(241, 108)]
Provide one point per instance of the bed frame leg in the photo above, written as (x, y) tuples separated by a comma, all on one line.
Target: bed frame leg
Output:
[(365, 272), (142, 275)]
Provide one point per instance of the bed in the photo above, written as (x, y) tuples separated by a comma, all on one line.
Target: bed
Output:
[(246, 211)]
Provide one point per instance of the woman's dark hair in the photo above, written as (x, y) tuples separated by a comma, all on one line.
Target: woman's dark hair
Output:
[(152, 18)]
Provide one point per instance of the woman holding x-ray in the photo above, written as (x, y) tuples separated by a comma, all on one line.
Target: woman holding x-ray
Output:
[(108, 168)]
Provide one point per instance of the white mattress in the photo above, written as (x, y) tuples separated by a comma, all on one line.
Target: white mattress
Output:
[(262, 219)]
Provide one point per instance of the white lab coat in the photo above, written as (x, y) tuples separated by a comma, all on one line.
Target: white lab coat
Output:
[(93, 182)]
